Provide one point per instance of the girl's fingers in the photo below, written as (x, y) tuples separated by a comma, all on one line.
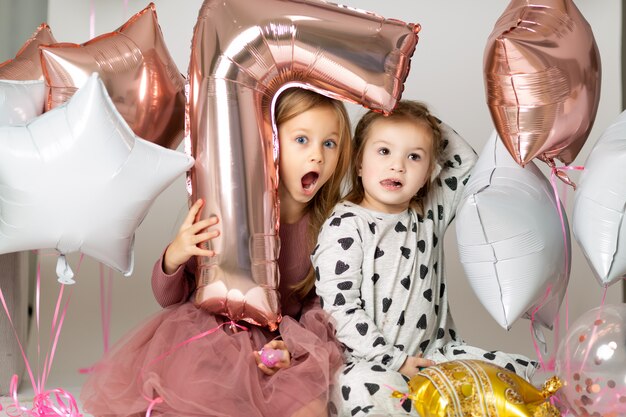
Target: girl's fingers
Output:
[(204, 252), (193, 212), (203, 237), (266, 370), (276, 344), (204, 224)]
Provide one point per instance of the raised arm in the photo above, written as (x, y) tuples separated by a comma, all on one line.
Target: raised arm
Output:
[(173, 277), (458, 160)]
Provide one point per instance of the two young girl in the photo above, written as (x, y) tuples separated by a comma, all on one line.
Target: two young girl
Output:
[(221, 373), (380, 260), (379, 270)]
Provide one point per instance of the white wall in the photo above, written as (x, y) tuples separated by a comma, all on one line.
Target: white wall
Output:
[(446, 72)]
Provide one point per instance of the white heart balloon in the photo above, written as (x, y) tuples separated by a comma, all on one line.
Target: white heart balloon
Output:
[(512, 244), (21, 101), (600, 204), (77, 179)]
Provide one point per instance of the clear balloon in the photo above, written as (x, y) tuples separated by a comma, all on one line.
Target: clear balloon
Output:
[(515, 251), (27, 65), (591, 361), (478, 388), (77, 179), (542, 79), (20, 101), (243, 55), (140, 76), (600, 205)]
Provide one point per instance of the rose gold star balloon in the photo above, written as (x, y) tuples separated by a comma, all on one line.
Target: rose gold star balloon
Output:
[(542, 79), (26, 65), (243, 54), (137, 70)]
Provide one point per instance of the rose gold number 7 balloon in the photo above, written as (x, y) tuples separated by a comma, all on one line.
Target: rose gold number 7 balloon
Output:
[(243, 53)]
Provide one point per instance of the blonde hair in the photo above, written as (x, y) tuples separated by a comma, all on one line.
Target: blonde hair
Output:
[(408, 110), (291, 103)]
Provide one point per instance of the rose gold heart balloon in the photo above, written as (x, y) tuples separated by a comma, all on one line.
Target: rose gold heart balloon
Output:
[(137, 70), (542, 79), (243, 54), (26, 65)]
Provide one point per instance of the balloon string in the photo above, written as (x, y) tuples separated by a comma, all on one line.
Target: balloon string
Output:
[(560, 209), (106, 297), (92, 19), (157, 400), (106, 291), (532, 321), (402, 396), (42, 406)]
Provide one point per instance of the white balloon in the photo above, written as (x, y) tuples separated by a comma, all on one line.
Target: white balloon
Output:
[(600, 204), (511, 240), (21, 101), (77, 179)]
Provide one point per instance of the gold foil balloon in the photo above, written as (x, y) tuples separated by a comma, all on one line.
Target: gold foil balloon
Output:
[(591, 361), (27, 65), (137, 70), (243, 54), (542, 79), (474, 388)]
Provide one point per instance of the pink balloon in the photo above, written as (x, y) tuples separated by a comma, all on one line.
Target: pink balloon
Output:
[(542, 79), (244, 53)]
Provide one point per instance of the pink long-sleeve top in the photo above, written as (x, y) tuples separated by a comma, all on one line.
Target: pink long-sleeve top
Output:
[(293, 264)]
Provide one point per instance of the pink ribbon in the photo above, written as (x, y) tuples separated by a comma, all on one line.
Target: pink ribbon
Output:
[(554, 174), (63, 403), (152, 402)]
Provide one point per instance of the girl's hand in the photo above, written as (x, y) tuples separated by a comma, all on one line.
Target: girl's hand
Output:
[(285, 362), (413, 364), (192, 233)]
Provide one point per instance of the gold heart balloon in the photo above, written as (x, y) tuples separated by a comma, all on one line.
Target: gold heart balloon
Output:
[(26, 65), (542, 79), (475, 388), (137, 69)]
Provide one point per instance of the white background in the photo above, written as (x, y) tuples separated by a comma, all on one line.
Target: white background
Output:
[(446, 72)]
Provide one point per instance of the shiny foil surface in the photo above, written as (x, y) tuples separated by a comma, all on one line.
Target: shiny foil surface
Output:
[(139, 74), (542, 78), (243, 54)]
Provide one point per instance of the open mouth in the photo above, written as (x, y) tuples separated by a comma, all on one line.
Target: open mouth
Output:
[(309, 180), (391, 184)]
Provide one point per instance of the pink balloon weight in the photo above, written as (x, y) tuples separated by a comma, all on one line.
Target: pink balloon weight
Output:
[(591, 361), (243, 54), (542, 79)]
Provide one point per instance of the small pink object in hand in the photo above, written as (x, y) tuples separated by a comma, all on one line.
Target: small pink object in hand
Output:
[(270, 357)]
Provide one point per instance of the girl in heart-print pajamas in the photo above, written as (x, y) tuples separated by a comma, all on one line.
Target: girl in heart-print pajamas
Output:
[(379, 261)]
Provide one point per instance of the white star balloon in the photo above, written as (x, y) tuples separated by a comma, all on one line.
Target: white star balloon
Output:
[(77, 179), (514, 249), (21, 101), (600, 205)]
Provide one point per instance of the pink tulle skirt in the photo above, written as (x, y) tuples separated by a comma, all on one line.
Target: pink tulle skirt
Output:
[(215, 375)]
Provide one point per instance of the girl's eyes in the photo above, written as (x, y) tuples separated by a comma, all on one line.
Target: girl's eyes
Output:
[(301, 139), (330, 143), (412, 156)]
